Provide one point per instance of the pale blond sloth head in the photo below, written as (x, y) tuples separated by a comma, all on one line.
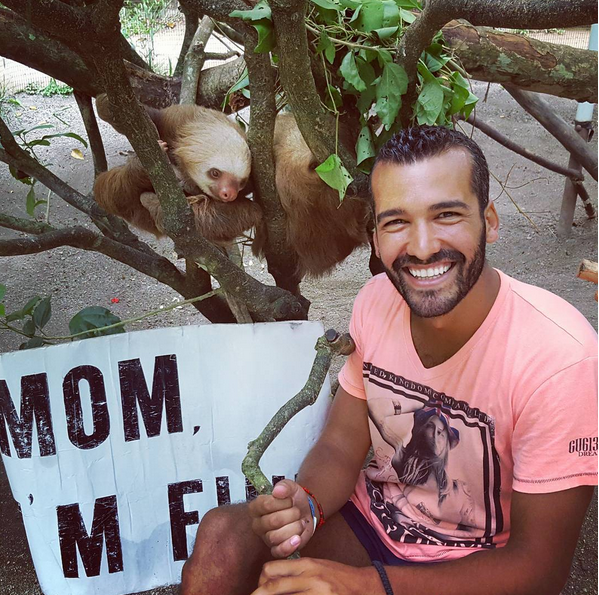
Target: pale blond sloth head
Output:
[(214, 153)]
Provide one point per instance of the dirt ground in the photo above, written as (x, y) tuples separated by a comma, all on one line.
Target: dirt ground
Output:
[(76, 279)]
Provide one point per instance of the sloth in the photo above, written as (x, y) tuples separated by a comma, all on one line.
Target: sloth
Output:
[(212, 161)]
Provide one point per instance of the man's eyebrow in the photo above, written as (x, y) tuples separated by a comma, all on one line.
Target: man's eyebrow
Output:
[(449, 204), (389, 213)]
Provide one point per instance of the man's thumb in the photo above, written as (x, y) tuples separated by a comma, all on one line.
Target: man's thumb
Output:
[(285, 489)]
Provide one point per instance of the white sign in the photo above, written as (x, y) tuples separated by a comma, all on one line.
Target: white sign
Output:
[(115, 447)]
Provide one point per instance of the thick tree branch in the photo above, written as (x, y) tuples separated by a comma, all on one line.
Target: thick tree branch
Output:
[(25, 225), (112, 226), (495, 56), (194, 62), (281, 258), (192, 17), (557, 126), (93, 132), (218, 11), (519, 14), (315, 123)]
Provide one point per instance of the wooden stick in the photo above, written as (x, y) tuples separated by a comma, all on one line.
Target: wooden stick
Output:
[(586, 199), (540, 110)]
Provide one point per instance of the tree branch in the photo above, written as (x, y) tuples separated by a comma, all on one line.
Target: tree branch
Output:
[(194, 61), (112, 226), (281, 258), (84, 103), (491, 132), (508, 58), (192, 17), (557, 126)]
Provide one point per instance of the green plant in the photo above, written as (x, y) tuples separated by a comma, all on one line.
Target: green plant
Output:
[(54, 88), (27, 144), (36, 313), (356, 41)]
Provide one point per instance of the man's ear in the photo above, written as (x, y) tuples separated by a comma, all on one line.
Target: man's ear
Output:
[(491, 223)]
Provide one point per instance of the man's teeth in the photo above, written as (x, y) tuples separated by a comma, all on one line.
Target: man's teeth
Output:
[(432, 272)]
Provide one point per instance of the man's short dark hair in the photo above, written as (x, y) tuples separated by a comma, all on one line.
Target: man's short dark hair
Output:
[(422, 142)]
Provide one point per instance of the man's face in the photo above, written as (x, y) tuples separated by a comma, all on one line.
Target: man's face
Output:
[(430, 235)]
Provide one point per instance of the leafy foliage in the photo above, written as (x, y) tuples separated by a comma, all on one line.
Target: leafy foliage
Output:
[(358, 40), (36, 314), (28, 144)]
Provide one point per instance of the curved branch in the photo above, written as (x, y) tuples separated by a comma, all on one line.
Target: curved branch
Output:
[(109, 224), (84, 103)]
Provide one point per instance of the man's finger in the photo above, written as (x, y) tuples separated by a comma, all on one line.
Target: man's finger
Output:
[(263, 505), (285, 586), (285, 489)]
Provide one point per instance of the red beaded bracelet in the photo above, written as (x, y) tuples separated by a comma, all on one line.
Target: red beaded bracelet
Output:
[(321, 520)]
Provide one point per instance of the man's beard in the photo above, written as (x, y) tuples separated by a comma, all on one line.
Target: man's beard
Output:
[(428, 304)]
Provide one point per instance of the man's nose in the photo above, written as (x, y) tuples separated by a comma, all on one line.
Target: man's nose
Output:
[(423, 241)]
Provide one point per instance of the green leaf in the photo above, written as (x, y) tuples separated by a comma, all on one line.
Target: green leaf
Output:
[(266, 36), (259, 12), (92, 318), (349, 71), (30, 202), (434, 63), (365, 99), (326, 45), (386, 32), (241, 83), (365, 145), (32, 343), (333, 173), (67, 134), (2, 310), (352, 4), (18, 315), (29, 327), (384, 56), (2, 291), (366, 71), (328, 4), (337, 99), (393, 84), (429, 103), (370, 17), (38, 127), (30, 306), (38, 141), (42, 313), (407, 16)]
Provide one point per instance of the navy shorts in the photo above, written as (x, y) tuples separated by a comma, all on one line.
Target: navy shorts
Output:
[(368, 537)]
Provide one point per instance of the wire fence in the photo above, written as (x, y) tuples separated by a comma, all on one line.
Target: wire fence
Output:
[(161, 50)]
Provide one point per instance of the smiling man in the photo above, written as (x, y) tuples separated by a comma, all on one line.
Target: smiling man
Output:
[(470, 387)]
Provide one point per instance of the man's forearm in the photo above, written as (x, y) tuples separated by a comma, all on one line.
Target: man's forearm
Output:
[(327, 473)]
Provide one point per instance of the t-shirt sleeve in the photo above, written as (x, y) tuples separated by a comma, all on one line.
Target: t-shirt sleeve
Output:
[(554, 445), (351, 375)]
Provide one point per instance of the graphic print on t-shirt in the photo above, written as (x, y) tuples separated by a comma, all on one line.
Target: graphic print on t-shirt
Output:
[(435, 477)]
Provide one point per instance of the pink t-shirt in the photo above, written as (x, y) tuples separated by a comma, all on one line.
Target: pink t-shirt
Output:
[(514, 409)]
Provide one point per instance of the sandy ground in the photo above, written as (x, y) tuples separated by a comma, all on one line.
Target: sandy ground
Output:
[(76, 279)]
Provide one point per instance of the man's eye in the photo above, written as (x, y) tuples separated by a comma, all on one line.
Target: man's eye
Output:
[(447, 215), (394, 222)]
